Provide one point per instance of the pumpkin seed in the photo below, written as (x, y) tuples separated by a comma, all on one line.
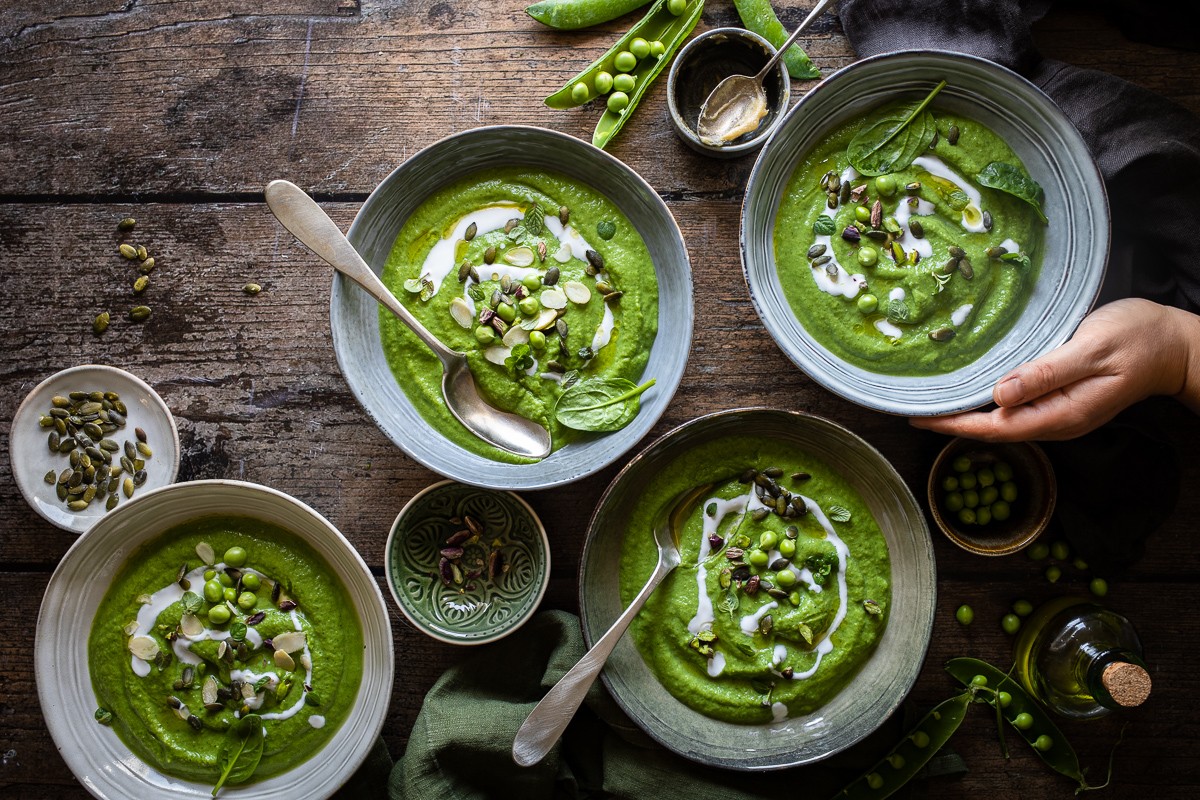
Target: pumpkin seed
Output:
[(916, 229), (139, 313), (942, 334), (987, 220), (472, 229), (144, 449), (595, 260), (551, 276), (952, 135), (996, 252), (126, 224), (613, 297), (142, 253), (564, 215), (831, 200), (816, 250), (146, 267), (128, 250), (111, 503), (127, 486), (912, 188), (964, 267), (100, 323)]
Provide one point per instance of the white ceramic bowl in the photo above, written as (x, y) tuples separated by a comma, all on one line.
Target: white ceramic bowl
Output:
[(354, 316), (1075, 252), (874, 692), (32, 459), (101, 762)]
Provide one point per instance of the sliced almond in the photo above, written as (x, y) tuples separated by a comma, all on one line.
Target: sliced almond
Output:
[(206, 553), (182, 712), (130, 628), (519, 257), (563, 254), (284, 661), (516, 335), (145, 599), (497, 355), (553, 298), (305, 661), (291, 641), (191, 626), (546, 319), (248, 688), (143, 647), (461, 312), (576, 292), (208, 692), (221, 648)]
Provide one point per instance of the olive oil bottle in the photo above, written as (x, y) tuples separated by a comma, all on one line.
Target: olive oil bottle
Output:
[(1081, 660)]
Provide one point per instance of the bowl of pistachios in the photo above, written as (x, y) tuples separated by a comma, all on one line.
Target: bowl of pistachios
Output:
[(89, 438)]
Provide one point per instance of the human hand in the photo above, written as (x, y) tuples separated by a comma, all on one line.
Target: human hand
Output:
[(1123, 352)]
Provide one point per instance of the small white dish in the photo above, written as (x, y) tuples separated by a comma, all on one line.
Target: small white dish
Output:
[(32, 459)]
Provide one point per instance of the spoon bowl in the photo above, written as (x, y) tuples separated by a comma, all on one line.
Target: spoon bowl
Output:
[(301, 215)]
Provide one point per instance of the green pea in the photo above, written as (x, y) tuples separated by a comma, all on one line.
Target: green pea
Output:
[(1008, 491), (1003, 471), (886, 184), (950, 483), (986, 477), (225, 579), (989, 495), (1004, 699), (639, 47), (794, 598), (1023, 721), (961, 464), (767, 540), (485, 334), (209, 574), (867, 303), (219, 615), (537, 340), (624, 82), (965, 615), (758, 558), (979, 680), (868, 256), (1040, 550), (1053, 573), (966, 516), (247, 600), (618, 102), (658, 49), (1022, 608), (785, 578), (213, 591), (1080, 564), (230, 594), (970, 498), (954, 501), (1099, 587), (235, 556), (676, 7), (895, 760), (251, 581), (1060, 550), (625, 61), (875, 780), (532, 281), (862, 214), (920, 739), (529, 306), (968, 480), (787, 548), (1010, 623), (506, 312), (1043, 743), (983, 515), (1001, 511), (603, 82), (580, 93)]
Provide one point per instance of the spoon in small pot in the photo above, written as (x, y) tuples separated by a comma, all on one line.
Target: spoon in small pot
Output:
[(738, 104), (550, 717), (301, 215)]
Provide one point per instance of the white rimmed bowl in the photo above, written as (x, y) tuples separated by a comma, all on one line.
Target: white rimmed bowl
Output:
[(354, 316), (874, 692), (1075, 252), (100, 760), (32, 459)]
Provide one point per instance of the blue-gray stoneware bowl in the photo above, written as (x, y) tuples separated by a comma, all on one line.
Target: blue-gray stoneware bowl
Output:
[(877, 689), (1075, 252), (354, 316)]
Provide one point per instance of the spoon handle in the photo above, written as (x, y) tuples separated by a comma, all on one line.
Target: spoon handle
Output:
[(301, 215), (546, 723), (817, 11)]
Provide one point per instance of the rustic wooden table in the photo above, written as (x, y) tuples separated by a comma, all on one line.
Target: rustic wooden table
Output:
[(178, 113)]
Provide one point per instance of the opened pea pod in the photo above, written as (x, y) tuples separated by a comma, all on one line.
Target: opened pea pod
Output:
[(631, 65)]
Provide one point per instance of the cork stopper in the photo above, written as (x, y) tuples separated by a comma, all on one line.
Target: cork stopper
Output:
[(1128, 683)]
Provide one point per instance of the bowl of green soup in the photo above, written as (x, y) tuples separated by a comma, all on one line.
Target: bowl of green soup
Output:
[(801, 611), (555, 268), (213, 638), (921, 223)]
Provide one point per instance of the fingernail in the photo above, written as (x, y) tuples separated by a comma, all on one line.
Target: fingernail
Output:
[(1010, 391)]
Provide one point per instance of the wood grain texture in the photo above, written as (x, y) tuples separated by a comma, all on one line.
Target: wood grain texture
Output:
[(177, 112)]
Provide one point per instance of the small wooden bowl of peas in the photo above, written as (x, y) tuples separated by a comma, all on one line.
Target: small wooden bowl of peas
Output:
[(992, 499)]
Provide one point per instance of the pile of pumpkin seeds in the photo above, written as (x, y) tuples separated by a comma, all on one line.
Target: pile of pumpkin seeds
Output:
[(81, 427), (145, 265)]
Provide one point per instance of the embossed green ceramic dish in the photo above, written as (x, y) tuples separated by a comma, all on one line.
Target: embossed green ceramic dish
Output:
[(482, 593)]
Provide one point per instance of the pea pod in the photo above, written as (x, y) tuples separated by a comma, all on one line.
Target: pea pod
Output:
[(912, 753), (1059, 755), (569, 15), (758, 16), (659, 25)]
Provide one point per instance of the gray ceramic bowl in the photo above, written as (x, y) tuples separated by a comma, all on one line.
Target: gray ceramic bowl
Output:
[(354, 316), (872, 694), (706, 61), (1076, 249)]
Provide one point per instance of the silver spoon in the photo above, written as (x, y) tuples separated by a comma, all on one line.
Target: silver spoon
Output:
[(738, 104), (301, 215), (550, 717)]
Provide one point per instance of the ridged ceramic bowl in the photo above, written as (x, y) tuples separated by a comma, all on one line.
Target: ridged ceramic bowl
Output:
[(470, 605), (100, 760), (1075, 251), (874, 692), (354, 316)]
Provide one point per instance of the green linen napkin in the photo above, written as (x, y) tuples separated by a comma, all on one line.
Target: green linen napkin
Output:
[(461, 744)]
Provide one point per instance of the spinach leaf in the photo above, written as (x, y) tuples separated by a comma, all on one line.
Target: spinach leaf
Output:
[(1015, 181), (599, 404), (892, 138), (241, 751)]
